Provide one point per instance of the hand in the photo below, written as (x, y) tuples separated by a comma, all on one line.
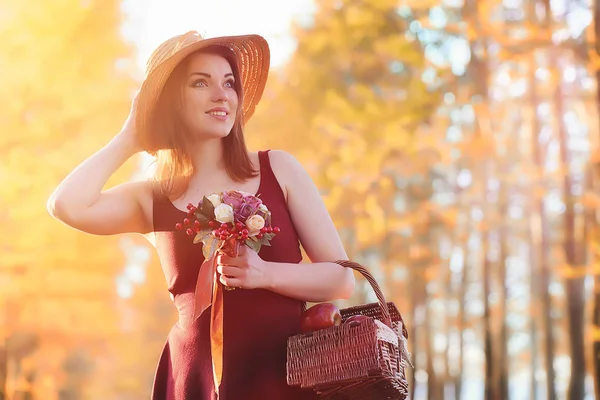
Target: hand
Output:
[(246, 271), (128, 135)]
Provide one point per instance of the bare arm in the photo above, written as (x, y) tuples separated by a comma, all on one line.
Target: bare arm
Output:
[(80, 202), (320, 280)]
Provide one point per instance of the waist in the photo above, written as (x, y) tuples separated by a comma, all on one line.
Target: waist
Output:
[(184, 302), (243, 304)]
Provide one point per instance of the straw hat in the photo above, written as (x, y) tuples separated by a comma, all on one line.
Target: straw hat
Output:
[(253, 59)]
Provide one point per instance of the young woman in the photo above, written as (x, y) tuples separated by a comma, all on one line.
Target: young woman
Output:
[(190, 114)]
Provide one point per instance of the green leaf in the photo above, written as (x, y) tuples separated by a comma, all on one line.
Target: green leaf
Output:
[(207, 209), (209, 247), (253, 244), (200, 236), (268, 236), (202, 219)]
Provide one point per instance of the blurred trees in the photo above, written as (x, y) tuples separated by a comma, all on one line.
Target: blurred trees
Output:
[(450, 142), (66, 85)]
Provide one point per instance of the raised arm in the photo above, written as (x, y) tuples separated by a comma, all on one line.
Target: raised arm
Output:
[(80, 202)]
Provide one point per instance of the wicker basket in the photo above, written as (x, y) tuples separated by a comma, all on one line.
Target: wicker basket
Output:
[(364, 361)]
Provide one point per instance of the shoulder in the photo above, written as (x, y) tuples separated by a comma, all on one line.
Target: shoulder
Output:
[(284, 162), (290, 173)]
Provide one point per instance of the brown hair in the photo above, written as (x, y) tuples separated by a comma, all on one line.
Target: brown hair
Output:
[(174, 166)]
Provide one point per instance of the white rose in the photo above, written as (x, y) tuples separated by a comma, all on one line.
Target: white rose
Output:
[(224, 213), (255, 223), (263, 208), (214, 199)]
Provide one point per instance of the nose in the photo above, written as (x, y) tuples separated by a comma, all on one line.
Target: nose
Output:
[(219, 94)]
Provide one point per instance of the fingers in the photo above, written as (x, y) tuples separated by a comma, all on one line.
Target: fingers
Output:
[(231, 282), (224, 259), (228, 270)]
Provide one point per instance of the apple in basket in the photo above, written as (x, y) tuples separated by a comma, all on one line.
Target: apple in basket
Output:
[(320, 316), (356, 319)]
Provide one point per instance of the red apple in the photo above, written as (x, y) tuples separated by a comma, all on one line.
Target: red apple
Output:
[(356, 319), (320, 316)]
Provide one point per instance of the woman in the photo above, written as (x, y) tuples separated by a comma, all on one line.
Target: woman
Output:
[(189, 113)]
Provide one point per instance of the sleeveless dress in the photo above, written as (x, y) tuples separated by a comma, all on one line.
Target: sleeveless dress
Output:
[(256, 323)]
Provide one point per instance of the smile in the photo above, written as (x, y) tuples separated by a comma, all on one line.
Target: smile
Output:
[(221, 115), (217, 113)]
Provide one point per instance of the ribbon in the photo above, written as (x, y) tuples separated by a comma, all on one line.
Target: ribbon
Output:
[(209, 291)]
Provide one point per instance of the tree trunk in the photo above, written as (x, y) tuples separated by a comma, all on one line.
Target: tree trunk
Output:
[(575, 254), (596, 300), (543, 248), (463, 235), (415, 348), (502, 359), (3, 372), (490, 390)]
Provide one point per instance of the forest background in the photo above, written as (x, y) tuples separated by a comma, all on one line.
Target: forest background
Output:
[(455, 142)]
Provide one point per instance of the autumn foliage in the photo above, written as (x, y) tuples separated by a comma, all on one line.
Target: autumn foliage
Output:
[(455, 145)]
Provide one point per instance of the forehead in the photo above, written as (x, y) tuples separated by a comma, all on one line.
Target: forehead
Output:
[(209, 63)]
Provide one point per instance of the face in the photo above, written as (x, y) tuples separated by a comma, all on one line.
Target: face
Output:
[(210, 101)]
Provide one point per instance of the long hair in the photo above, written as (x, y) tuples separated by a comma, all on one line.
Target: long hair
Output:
[(174, 167)]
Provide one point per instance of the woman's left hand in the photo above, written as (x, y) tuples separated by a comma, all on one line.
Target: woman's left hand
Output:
[(246, 271)]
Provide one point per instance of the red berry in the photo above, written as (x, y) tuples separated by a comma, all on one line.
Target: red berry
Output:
[(269, 229), (276, 229), (212, 224), (245, 232), (239, 225), (196, 223), (224, 225), (186, 221), (179, 226), (189, 231), (263, 230), (260, 235), (216, 233)]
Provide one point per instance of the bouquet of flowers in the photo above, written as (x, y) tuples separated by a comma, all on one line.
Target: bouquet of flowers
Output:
[(229, 217)]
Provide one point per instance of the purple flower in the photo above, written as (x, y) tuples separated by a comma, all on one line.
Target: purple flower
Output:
[(244, 212), (234, 198), (253, 202)]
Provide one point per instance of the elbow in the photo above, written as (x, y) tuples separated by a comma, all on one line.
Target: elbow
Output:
[(347, 287), (57, 209), (52, 206)]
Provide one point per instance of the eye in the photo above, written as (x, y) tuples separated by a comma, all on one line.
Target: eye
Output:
[(199, 83), (230, 84)]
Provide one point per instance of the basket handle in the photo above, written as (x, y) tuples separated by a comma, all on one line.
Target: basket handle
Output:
[(382, 302)]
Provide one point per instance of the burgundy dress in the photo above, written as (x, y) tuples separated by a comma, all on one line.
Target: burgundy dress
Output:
[(256, 323)]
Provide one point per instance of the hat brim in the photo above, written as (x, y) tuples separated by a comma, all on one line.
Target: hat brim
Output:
[(253, 58)]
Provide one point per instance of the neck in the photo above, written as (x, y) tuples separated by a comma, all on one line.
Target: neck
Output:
[(207, 156)]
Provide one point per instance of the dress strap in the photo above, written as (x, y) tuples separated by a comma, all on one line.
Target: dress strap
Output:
[(264, 161), (269, 182)]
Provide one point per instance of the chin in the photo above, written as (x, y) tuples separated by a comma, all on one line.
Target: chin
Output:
[(215, 133)]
